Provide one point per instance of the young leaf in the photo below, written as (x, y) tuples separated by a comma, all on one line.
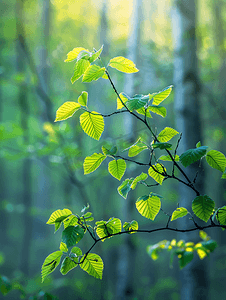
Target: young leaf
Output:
[(168, 158), (93, 72), (144, 112), (179, 213), (50, 263), (135, 150), (216, 160), (59, 215), (83, 98), (159, 110), (92, 124), (72, 55), (133, 225), (137, 102), (96, 54), (104, 229), (123, 64), (159, 97), (141, 177), (76, 251), (66, 110), (148, 206), (112, 151), (63, 247), (80, 68), (192, 155), (221, 215), (93, 265), (117, 168), (125, 187), (203, 207), (72, 235), (68, 264), (167, 134), (185, 258), (156, 174), (70, 221), (91, 163), (161, 145)]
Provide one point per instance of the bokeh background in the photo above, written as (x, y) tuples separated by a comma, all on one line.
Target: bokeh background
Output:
[(172, 42)]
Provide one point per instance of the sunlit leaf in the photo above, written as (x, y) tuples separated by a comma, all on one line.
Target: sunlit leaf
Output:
[(91, 163), (58, 216), (148, 206), (144, 112), (72, 235), (117, 168), (203, 235), (70, 221), (216, 160), (76, 251), (139, 178), (161, 146), (168, 158), (124, 99), (179, 213), (167, 134), (135, 150), (123, 64), (137, 102), (93, 265), (68, 264), (203, 207), (104, 229), (185, 258), (66, 110), (159, 97), (112, 151), (96, 54), (192, 155), (159, 110), (83, 98), (50, 263), (72, 55), (80, 68), (125, 187), (93, 72), (63, 247), (154, 250), (155, 172), (133, 225), (92, 124), (221, 215)]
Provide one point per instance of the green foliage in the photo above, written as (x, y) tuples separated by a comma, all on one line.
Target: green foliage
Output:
[(148, 206)]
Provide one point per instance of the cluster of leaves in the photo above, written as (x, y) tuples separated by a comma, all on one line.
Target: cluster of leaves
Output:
[(149, 205)]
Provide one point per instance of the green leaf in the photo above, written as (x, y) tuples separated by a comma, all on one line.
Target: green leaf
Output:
[(96, 54), (159, 97), (203, 207), (58, 216), (216, 160), (93, 265), (125, 187), (112, 151), (179, 213), (198, 145), (185, 258), (155, 175), (72, 55), (124, 99), (135, 150), (91, 163), (159, 110), (133, 225), (70, 221), (68, 264), (141, 177), (148, 206), (50, 263), (63, 247), (224, 175), (153, 250), (209, 245), (83, 98), (104, 229), (117, 168), (137, 102), (221, 215), (93, 72), (85, 208), (92, 124), (192, 155), (161, 146), (72, 235), (167, 134), (66, 110), (80, 68), (76, 251), (123, 64), (142, 111), (168, 158)]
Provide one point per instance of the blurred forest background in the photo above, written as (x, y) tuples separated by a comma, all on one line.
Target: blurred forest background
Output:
[(172, 42)]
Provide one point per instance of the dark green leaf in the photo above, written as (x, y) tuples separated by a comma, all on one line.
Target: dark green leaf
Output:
[(192, 155), (72, 235)]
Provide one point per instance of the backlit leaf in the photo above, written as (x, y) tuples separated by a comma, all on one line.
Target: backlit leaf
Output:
[(133, 225), (125, 187), (91, 163), (117, 168), (203, 207), (221, 215), (96, 54), (50, 263), (63, 247), (92, 124), (135, 150), (72, 235), (216, 160), (141, 177), (106, 228), (80, 68), (179, 213), (124, 99), (159, 97), (93, 265), (123, 64), (72, 55), (83, 98), (68, 264), (154, 172), (159, 110), (167, 134), (137, 102), (93, 72), (192, 155), (168, 158), (59, 215), (66, 110), (148, 206)]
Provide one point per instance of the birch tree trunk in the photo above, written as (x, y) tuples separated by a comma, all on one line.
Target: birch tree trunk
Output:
[(193, 278)]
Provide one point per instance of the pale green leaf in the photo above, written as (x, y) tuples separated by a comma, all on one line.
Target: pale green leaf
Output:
[(198, 145), (91, 163), (72, 235), (123, 64), (159, 110), (192, 155), (203, 207), (133, 225), (96, 54), (124, 99), (83, 98), (104, 229), (144, 112), (93, 265), (76, 251), (117, 168), (135, 150), (72, 55), (92, 124), (70, 221), (125, 187), (216, 160), (68, 264), (179, 213), (50, 263), (159, 97), (154, 172), (138, 101), (148, 206), (167, 134), (59, 215), (66, 110), (93, 72), (80, 68), (168, 158), (141, 177), (110, 152), (63, 247)]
